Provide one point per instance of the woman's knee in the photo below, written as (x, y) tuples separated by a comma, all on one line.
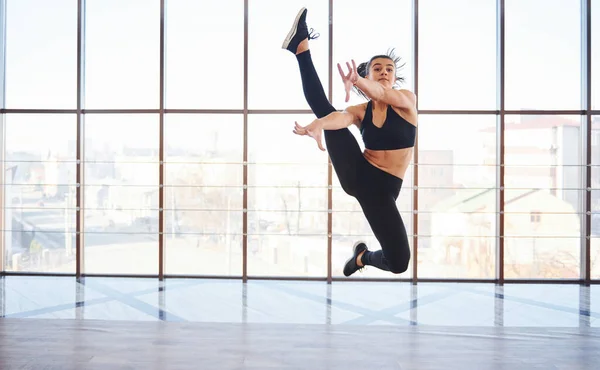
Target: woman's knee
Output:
[(399, 265), (399, 268)]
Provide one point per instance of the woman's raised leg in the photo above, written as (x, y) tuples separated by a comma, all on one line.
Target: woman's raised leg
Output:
[(343, 149)]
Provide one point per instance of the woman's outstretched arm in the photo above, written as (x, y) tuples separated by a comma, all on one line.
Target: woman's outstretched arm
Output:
[(332, 121)]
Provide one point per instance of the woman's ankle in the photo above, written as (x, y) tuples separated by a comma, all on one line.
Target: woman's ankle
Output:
[(359, 261), (302, 46)]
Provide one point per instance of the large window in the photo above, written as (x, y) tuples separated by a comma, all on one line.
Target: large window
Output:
[(457, 196), (122, 54), (39, 193), (287, 199), (457, 54), (543, 54), (41, 66), (121, 194), (236, 183), (543, 196), (203, 194)]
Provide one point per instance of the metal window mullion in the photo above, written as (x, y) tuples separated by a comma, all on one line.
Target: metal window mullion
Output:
[(80, 152), (2, 134), (586, 139), (161, 147), (245, 153), (415, 199), (329, 165), (500, 139)]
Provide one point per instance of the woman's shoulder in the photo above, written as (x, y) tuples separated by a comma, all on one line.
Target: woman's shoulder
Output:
[(358, 107), (357, 110)]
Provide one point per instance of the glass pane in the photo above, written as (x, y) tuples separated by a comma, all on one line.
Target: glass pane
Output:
[(122, 40), (134, 252), (347, 33), (442, 142), (536, 224), (457, 38), (595, 257), (41, 54), (287, 243), (543, 51), (39, 192), (541, 257), (457, 196), (193, 78), (543, 197), (595, 227), (456, 233), (596, 54), (452, 255), (287, 199), (55, 141), (595, 194), (121, 193), (268, 61), (203, 194), (540, 244), (273, 146)]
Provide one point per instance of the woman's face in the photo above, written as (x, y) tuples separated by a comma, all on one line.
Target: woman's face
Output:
[(383, 71)]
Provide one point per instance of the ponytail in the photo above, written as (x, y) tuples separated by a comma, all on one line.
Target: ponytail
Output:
[(362, 69)]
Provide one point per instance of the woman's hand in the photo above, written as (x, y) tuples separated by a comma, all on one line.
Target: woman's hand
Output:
[(314, 130), (349, 79)]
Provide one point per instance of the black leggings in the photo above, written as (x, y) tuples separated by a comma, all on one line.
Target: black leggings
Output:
[(375, 190)]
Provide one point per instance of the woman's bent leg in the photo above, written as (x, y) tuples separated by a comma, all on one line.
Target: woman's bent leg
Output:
[(377, 195)]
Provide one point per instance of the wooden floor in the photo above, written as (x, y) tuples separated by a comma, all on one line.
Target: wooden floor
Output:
[(93, 344)]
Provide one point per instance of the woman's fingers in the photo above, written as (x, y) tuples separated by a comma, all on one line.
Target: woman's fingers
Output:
[(299, 130), (315, 134), (341, 71), (320, 142)]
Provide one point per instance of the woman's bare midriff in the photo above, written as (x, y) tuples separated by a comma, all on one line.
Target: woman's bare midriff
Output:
[(394, 162)]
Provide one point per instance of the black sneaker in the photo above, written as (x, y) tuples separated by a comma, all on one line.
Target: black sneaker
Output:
[(298, 33), (351, 267)]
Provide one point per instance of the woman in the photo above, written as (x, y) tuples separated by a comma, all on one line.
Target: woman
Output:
[(387, 123)]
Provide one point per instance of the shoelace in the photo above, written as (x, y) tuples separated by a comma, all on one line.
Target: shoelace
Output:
[(312, 34)]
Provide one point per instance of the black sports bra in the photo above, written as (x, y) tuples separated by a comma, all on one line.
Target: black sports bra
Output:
[(396, 132)]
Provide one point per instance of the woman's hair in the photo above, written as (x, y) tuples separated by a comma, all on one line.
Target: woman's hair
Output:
[(363, 69)]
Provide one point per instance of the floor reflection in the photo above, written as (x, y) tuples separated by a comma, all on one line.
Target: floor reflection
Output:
[(259, 301)]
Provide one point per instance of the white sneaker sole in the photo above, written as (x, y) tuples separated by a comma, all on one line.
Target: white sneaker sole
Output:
[(292, 32)]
